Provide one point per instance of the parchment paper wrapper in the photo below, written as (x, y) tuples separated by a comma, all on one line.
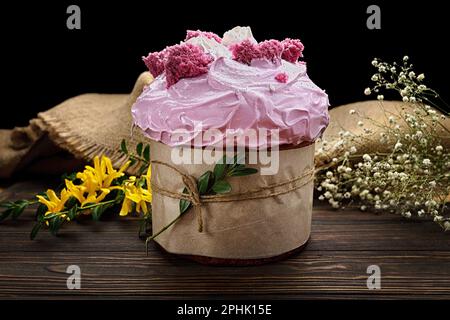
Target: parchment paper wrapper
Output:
[(246, 229)]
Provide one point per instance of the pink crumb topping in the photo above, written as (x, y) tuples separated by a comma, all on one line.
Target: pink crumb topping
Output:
[(155, 62), (210, 35), (185, 61), (271, 50), (245, 52), (282, 77), (293, 49)]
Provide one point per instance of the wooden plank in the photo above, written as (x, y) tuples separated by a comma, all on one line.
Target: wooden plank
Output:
[(122, 234), (133, 274), (414, 258)]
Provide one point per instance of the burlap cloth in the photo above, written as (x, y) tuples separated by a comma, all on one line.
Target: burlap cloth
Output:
[(341, 120), (83, 126)]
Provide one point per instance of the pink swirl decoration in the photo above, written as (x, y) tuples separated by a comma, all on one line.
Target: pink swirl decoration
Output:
[(233, 97)]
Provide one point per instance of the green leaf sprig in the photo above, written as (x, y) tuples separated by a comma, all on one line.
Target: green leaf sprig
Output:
[(14, 209), (72, 209), (141, 156), (212, 183)]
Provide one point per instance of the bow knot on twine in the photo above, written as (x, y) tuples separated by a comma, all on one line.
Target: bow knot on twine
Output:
[(191, 185), (197, 200)]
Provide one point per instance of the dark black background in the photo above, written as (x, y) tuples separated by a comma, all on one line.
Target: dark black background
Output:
[(44, 63)]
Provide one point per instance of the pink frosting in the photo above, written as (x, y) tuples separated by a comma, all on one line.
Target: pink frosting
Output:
[(235, 96)]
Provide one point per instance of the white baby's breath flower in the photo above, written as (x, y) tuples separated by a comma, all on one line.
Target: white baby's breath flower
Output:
[(430, 203), (411, 179), (406, 214), (334, 204), (447, 225), (405, 58), (422, 87), (391, 119)]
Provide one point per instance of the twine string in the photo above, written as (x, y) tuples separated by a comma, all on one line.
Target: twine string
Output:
[(198, 200)]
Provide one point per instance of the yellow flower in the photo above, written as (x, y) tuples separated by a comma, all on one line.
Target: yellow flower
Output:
[(76, 191), (147, 180), (102, 173), (55, 204), (96, 181), (137, 194), (79, 192)]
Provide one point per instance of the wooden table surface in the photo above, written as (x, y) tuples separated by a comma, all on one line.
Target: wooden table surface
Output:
[(413, 256)]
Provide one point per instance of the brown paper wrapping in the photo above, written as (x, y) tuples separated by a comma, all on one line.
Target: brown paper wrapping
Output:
[(247, 229)]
